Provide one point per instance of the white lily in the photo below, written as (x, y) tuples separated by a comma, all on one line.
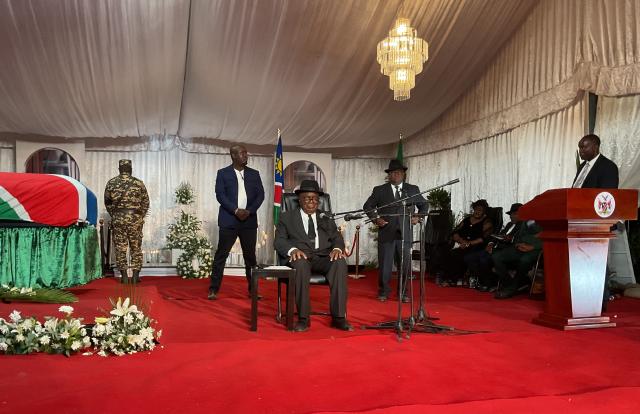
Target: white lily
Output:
[(122, 308), (15, 316)]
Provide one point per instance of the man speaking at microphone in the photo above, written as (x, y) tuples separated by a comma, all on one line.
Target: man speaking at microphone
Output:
[(389, 221), (312, 242)]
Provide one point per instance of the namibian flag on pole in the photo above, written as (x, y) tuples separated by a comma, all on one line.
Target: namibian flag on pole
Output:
[(278, 181)]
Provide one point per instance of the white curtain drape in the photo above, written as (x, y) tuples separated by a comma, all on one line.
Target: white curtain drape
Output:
[(236, 70), (562, 48), (7, 159), (92, 68), (162, 172), (353, 182), (511, 167), (618, 126)]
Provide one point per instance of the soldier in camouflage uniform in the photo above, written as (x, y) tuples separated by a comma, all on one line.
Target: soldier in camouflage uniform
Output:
[(127, 202)]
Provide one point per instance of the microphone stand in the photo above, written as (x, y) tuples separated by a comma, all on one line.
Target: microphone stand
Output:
[(408, 324)]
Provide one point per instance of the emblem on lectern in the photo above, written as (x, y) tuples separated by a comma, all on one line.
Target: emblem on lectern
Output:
[(604, 204)]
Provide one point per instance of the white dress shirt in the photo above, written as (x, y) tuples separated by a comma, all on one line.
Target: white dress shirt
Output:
[(305, 224), (242, 192), (585, 171)]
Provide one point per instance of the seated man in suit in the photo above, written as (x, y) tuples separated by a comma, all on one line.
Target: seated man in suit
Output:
[(520, 256), (480, 262), (313, 243)]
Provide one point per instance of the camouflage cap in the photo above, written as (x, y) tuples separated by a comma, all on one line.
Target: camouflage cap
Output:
[(124, 163)]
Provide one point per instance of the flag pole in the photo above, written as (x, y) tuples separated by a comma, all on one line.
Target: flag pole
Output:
[(278, 187)]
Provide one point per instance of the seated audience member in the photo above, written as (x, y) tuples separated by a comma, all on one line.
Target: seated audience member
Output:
[(469, 237), (480, 263), (313, 243), (520, 256)]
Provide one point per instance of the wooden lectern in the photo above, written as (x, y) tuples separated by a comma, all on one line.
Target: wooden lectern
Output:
[(576, 226)]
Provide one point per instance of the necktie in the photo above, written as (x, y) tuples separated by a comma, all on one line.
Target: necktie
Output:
[(582, 176), (397, 195), (311, 230)]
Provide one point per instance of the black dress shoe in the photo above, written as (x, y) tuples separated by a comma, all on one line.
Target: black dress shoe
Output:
[(342, 324), (382, 298), (301, 326), (406, 299), (212, 295)]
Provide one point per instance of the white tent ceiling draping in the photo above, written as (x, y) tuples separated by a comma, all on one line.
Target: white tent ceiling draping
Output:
[(236, 70)]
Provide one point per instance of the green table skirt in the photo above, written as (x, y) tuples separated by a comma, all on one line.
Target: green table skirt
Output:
[(53, 257)]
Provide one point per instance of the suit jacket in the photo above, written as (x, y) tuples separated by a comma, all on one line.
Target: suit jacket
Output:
[(603, 174), (528, 233), (383, 195), (227, 196), (291, 232)]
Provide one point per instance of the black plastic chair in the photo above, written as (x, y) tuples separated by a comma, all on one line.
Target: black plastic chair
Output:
[(290, 203), (496, 216)]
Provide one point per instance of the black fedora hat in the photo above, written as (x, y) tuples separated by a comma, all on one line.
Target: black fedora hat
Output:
[(395, 165), (309, 186), (514, 207)]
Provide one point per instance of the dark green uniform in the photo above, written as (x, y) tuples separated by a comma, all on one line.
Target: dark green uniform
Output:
[(127, 202), (512, 258)]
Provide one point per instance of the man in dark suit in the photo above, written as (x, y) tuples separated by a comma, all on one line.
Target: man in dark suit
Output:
[(390, 225), (240, 193), (312, 242), (596, 171), (480, 262), (520, 256)]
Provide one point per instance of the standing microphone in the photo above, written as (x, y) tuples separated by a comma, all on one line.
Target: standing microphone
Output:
[(327, 215)]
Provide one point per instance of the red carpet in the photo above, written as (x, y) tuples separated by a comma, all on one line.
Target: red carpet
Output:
[(211, 362)]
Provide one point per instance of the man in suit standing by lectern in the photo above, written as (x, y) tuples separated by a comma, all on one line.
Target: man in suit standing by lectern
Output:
[(596, 171)]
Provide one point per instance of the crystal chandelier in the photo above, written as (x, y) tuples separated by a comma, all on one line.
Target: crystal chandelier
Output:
[(401, 56)]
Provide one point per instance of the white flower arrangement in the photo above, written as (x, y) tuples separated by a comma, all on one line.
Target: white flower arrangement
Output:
[(56, 336), (127, 331), (185, 234), (185, 194), (18, 335)]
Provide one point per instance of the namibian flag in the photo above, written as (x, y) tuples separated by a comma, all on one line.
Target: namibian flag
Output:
[(53, 200), (278, 181)]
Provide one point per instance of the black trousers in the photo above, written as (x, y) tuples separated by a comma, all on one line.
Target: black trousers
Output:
[(226, 239), (387, 253), (336, 273)]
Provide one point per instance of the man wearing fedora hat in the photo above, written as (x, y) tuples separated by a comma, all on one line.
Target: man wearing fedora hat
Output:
[(390, 225), (520, 256), (312, 242)]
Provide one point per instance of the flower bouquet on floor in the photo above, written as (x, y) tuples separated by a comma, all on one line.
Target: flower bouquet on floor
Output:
[(65, 335), (126, 331)]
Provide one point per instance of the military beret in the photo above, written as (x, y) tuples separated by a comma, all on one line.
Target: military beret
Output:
[(124, 163)]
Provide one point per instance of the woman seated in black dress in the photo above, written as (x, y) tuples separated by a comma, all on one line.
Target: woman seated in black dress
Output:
[(468, 237)]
